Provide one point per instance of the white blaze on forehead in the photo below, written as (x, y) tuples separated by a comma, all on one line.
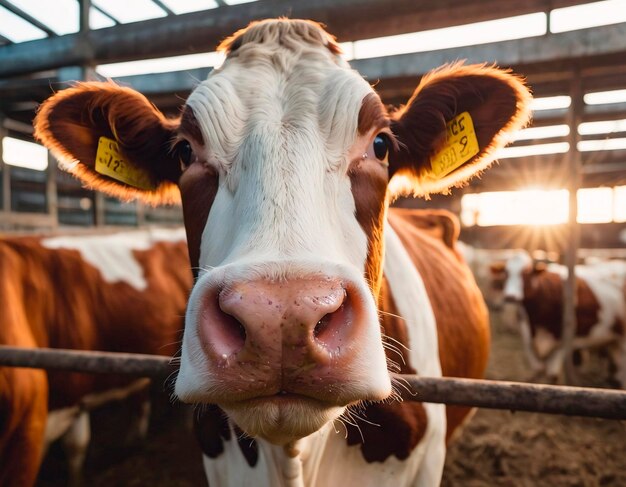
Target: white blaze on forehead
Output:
[(279, 139), (113, 254)]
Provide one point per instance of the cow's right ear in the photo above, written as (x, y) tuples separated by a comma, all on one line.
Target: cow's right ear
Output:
[(453, 125), (113, 139)]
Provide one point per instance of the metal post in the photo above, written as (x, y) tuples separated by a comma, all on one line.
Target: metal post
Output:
[(5, 171), (88, 73), (88, 68), (51, 190), (573, 230)]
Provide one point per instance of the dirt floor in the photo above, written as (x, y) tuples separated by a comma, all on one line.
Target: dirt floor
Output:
[(497, 448)]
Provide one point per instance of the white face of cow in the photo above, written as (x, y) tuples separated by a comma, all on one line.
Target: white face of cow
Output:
[(282, 159), (282, 329), (514, 284)]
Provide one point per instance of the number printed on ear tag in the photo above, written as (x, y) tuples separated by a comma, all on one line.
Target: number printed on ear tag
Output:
[(461, 146), (110, 162)]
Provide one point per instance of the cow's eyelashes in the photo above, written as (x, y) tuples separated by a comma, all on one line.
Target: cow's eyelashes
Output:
[(185, 154)]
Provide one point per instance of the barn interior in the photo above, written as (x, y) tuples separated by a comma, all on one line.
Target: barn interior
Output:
[(558, 190)]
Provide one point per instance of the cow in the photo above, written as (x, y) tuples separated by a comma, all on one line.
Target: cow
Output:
[(308, 286), (121, 292), (600, 310)]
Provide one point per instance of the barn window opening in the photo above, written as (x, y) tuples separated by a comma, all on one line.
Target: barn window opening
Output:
[(185, 6), (587, 15), (602, 144), (60, 16), (532, 150), (605, 97), (518, 27), (161, 65), (602, 127), (125, 11), (543, 207), (550, 103), (16, 29), (545, 132), (16, 152)]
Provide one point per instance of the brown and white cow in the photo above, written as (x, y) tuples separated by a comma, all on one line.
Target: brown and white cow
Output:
[(122, 292), (600, 310), (283, 159)]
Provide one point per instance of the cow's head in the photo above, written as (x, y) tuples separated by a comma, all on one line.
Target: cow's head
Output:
[(514, 269), (283, 158)]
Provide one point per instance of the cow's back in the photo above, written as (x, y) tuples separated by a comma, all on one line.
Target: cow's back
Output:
[(459, 308), (53, 295)]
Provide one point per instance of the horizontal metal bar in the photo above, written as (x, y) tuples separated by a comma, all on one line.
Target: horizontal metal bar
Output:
[(514, 396), (86, 361), (517, 396)]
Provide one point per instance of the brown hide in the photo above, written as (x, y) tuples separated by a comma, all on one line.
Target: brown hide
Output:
[(543, 302), (53, 298), (458, 305)]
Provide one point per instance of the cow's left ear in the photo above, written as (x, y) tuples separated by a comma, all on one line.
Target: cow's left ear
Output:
[(113, 139), (457, 118)]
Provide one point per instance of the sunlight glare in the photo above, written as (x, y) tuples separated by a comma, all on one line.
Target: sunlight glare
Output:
[(619, 204), (528, 207), (595, 205), (543, 207)]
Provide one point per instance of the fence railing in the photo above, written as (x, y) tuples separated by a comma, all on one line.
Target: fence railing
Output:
[(513, 396)]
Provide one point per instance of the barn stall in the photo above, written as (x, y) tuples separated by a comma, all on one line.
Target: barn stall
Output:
[(572, 54)]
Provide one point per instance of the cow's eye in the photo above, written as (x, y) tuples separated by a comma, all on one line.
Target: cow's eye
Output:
[(381, 146), (185, 154)]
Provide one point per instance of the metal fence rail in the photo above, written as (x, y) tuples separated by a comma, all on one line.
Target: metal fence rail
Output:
[(514, 396)]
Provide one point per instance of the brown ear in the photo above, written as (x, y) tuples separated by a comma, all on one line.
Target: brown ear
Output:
[(71, 123), (495, 101)]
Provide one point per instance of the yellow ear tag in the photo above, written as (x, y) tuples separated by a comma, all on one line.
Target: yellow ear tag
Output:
[(461, 146), (110, 162)]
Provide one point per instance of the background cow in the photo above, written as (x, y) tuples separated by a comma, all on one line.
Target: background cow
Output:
[(124, 292), (600, 309), (283, 158)]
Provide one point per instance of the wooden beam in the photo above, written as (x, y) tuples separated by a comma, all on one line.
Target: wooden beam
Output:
[(202, 31)]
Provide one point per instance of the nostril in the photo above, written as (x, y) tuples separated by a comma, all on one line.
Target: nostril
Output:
[(333, 329), (233, 327), (225, 333), (322, 325)]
